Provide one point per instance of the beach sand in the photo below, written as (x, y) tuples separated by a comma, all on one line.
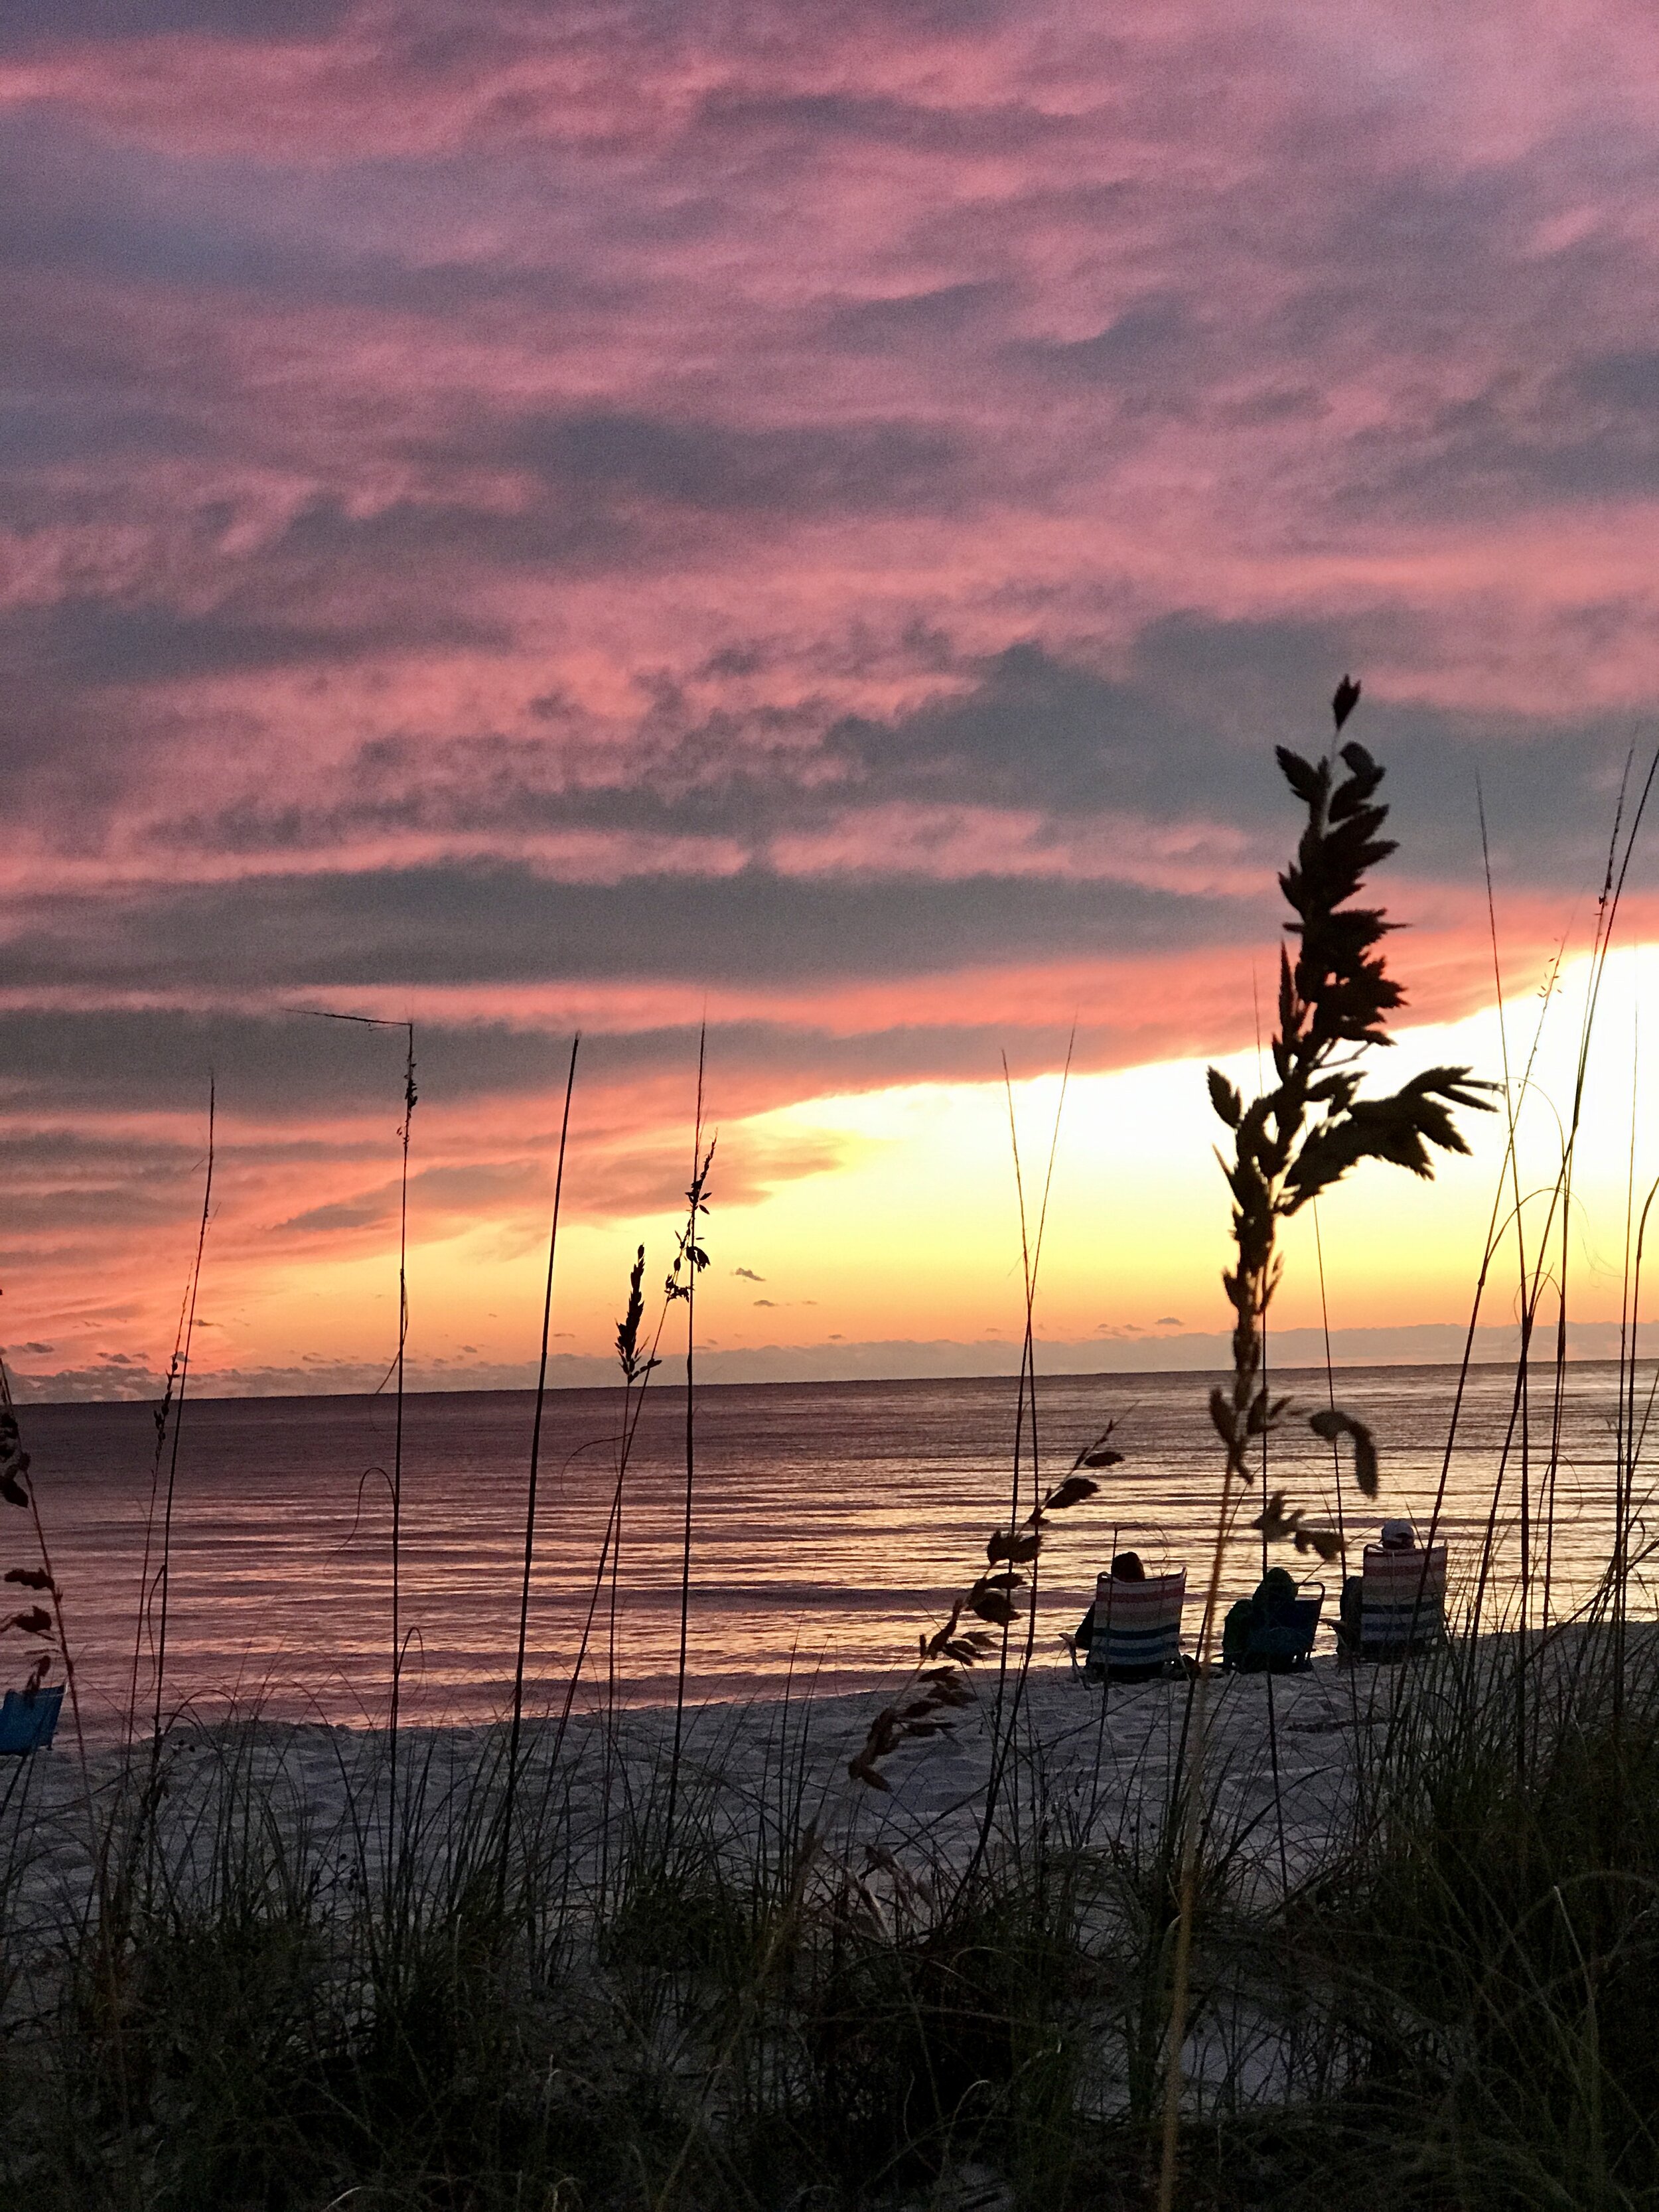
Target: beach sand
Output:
[(1278, 1770), (1094, 1766)]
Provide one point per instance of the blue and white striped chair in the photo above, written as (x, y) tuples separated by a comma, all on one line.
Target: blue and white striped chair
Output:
[(1402, 1604), (1137, 1627)]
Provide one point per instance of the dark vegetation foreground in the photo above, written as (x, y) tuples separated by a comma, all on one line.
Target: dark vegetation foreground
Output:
[(1457, 2006)]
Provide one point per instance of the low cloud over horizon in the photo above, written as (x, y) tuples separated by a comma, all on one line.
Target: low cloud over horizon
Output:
[(1301, 1352)]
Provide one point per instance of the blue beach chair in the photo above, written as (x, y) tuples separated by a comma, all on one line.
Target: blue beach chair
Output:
[(28, 1721), (1273, 1632)]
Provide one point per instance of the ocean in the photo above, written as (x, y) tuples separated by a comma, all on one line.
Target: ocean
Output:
[(831, 1523)]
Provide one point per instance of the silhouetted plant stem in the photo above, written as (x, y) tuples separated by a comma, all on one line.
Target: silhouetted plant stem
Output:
[(528, 1572), (692, 1259), (1290, 1144), (160, 1414), (393, 1711), (1607, 913), (637, 1367), (1005, 1714), (165, 1570), (1490, 1250), (396, 1371), (1511, 1109), (1558, 1211)]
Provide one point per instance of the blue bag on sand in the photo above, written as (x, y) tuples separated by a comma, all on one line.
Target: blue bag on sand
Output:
[(28, 1720)]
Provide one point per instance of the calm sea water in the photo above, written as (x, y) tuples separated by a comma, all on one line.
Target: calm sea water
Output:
[(831, 1523)]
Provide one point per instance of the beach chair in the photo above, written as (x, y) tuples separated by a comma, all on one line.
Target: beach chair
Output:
[(1137, 1631), (1402, 1604), (28, 1721), (1284, 1646)]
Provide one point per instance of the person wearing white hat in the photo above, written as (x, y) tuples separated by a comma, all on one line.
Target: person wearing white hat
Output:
[(1393, 1537)]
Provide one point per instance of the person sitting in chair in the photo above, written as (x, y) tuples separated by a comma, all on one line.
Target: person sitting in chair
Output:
[(1125, 1568), (1395, 1536), (1261, 1633)]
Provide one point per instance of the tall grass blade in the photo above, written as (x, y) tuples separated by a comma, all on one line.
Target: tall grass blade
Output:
[(528, 1571)]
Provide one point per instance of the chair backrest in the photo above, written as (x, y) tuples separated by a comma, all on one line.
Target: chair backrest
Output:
[(1403, 1602), (1305, 1614), (1137, 1624), (28, 1720), (1288, 1636)]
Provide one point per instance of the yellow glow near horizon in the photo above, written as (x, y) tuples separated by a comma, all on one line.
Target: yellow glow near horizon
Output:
[(918, 1234), (914, 1234)]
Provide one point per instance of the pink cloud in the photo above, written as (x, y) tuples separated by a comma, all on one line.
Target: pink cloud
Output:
[(521, 518)]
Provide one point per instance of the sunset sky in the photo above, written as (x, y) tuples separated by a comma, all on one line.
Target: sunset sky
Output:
[(521, 517)]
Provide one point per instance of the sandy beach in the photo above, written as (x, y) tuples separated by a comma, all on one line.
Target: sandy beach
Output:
[(1088, 1762)]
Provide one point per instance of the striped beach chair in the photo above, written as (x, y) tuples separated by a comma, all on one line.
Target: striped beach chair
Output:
[(28, 1721), (1137, 1631), (1402, 1606)]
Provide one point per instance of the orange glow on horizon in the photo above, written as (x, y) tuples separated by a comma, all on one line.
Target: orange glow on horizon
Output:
[(892, 1216)]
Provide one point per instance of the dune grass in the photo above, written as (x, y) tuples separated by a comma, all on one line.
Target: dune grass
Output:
[(272, 2000)]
